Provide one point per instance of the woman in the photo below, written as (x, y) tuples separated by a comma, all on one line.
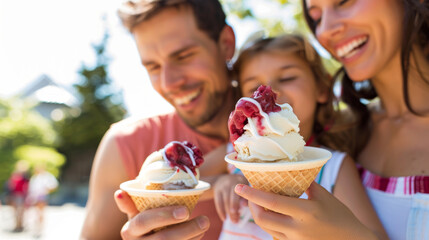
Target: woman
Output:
[(385, 41)]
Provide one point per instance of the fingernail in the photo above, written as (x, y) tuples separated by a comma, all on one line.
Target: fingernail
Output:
[(119, 196), (203, 222), (239, 188), (180, 213)]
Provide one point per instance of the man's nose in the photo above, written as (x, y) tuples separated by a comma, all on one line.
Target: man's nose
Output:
[(172, 77)]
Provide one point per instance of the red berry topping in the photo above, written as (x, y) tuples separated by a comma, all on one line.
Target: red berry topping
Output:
[(245, 109), (178, 155), (267, 98)]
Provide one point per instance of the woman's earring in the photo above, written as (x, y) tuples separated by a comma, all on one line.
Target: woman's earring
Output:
[(229, 65), (234, 83)]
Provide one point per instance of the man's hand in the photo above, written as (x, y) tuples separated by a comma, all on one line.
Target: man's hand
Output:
[(175, 219)]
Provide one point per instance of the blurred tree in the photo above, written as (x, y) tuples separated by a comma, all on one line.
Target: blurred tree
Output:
[(83, 127), (21, 126)]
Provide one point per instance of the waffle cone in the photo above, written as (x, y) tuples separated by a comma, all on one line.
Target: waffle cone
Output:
[(291, 183), (145, 203), (155, 186)]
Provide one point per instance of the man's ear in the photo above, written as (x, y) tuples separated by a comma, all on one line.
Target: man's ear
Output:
[(227, 42)]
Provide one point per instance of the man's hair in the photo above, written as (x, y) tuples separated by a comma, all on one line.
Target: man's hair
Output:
[(209, 15)]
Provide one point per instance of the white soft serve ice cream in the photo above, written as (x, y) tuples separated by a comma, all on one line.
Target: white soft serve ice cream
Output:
[(262, 130), (174, 167)]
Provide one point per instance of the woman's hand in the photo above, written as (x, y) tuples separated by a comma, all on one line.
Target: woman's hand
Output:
[(321, 216), (140, 225), (226, 200)]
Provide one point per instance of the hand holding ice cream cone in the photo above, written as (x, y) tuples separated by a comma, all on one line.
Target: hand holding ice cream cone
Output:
[(269, 149), (168, 177)]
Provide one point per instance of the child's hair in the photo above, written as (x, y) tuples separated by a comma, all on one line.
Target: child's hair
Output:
[(329, 128)]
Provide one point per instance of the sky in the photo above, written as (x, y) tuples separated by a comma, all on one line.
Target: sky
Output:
[(54, 37)]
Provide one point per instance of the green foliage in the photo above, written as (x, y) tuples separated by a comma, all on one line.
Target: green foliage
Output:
[(47, 156), (83, 127), (19, 126)]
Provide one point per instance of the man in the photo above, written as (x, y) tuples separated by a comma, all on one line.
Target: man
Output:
[(184, 46)]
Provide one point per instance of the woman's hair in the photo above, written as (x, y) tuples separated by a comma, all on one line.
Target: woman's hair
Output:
[(209, 15), (326, 128), (415, 31)]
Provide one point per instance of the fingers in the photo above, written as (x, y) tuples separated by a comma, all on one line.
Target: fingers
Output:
[(220, 205), (269, 220), (315, 191), (234, 206), (148, 220), (198, 237), (274, 202), (125, 204), (193, 229)]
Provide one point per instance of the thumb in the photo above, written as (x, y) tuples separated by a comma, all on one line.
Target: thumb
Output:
[(125, 204), (316, 191)]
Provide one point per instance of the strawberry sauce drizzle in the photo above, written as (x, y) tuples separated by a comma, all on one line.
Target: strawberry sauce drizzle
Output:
[(183, 155), (245, 109)]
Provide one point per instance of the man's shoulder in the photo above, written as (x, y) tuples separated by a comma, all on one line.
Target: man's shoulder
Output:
[(132, 125)]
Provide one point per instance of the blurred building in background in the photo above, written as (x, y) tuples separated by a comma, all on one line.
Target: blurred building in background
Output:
[(49, 97)]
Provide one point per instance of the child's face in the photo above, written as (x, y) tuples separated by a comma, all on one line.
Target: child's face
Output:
[(291, 78)]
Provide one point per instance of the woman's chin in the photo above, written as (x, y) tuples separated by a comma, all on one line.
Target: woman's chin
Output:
[(358, 75)]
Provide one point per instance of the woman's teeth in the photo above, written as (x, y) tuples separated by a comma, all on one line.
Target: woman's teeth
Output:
[(351, 48)]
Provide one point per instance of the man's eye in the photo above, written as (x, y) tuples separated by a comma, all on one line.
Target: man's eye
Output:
[(184, 56), (152, 68)]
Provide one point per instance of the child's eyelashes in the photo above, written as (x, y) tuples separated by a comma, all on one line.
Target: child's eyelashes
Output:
[(287, 79), (342, 2)]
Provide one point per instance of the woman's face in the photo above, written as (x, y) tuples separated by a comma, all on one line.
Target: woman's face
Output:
[(364, 35), (291, 78)]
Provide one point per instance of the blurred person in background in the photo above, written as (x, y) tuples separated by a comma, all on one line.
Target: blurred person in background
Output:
[(185, 46), (18, 189), (42, 183)]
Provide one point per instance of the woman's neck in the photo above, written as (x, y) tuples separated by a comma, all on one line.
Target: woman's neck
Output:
[(390, 88)]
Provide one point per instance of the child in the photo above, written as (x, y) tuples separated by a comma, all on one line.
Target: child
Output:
[(291, 66)]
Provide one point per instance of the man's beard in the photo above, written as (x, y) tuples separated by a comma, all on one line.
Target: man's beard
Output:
[(214, 104)]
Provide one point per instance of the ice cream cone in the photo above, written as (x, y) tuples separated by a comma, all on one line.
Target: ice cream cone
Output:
[(145, 199), (288, 183), (284, 178)]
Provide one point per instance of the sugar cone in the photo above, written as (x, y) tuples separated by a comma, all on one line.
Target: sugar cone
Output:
[(146, 199), (146, 203), (289, 183), (284, 178)]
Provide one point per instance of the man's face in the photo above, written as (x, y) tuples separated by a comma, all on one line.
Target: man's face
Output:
[(184, 64)]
